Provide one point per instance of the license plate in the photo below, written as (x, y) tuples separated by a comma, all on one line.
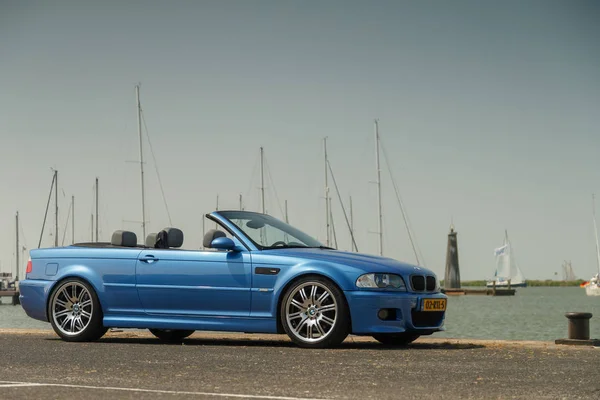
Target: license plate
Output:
[(434, 304)]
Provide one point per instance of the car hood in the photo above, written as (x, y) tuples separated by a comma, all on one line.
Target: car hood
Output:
[(365, 262)]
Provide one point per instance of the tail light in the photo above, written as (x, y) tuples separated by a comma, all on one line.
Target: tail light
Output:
[(29, 266)]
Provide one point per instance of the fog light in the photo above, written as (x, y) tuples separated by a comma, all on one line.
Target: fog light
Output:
[(383, 314)]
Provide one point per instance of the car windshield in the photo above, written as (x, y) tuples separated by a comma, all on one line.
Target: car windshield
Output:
[(268, 232)]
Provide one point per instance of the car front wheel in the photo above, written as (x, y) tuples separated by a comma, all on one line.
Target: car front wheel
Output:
[(314, 313), (74, 311)]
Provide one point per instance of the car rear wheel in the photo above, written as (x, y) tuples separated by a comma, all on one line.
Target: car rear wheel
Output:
[(74, 311), (314, 313), (171, 335), (396, 339)]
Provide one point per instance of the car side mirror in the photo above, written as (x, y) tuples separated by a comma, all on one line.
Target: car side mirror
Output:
[(223, 243)]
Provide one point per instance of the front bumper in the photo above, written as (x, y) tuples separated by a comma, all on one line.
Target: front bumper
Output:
[(407, 317), (33, 295)]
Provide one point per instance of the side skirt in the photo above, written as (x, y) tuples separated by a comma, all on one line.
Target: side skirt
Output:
[(226, 324)]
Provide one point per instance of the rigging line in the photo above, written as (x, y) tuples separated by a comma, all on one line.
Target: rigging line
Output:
[(416, 243), (66, 225), (410, 236), (332, 226), (46, 213), (254, 171), (410, 228), (342, 204), (22, 232), (408, 223), (273, 186), (156, 167), (68, 218), (404, 216)]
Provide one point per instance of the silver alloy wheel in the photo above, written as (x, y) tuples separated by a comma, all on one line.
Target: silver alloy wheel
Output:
[(72, 308), (311, 312)]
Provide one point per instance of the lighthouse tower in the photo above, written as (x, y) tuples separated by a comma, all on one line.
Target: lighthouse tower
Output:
[(452, 275)]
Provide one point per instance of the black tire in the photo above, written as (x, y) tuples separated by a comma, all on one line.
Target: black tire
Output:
[(171, 335), (316, 313), (74, 311), (396, 339)]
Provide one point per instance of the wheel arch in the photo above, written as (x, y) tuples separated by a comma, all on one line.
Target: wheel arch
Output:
[(295, 279), (70, 275)]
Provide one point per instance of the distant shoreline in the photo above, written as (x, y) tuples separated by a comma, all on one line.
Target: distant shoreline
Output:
[(530, 283)]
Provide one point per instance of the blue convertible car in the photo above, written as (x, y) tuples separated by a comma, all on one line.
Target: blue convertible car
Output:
[(255, 274)]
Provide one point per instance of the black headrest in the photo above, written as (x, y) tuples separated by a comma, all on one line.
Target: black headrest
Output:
[(161, 240), (174, 237), (212, 235), (151, 240), (124, 238)]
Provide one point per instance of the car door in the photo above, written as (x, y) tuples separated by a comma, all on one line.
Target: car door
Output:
[(194, 283)]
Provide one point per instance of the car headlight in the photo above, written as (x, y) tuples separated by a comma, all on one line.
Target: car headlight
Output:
[(381, 281)]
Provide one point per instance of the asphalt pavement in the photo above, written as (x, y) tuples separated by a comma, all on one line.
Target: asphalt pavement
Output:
[(133, 364)]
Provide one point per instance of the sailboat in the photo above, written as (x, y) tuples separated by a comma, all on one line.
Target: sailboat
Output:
[(592, 288), (507, 270)]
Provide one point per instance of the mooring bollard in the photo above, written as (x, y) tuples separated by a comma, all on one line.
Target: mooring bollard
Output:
[(579, 330), (579, 325)]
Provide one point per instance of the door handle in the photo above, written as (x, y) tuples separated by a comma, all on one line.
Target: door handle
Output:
[(148, 259)]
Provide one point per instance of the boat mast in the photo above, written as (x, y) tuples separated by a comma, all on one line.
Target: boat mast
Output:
[(327, 216), (262, 181), (263, 233), (241, 207), (334, 241), (380, 230), (351, 227), (596, 231), (56, 208), (46, 212), (203, 228), (97, 209), (72, 219), (17, 248), (139, 107), (287, 221)]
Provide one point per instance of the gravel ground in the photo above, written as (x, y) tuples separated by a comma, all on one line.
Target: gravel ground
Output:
[(133, 364)]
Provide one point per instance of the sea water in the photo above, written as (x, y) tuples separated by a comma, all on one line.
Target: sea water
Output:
[(534, 313)]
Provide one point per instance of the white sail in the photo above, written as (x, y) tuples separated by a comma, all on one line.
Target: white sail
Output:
[(596, 235), (592, 288), (503, 264), (506, 266)]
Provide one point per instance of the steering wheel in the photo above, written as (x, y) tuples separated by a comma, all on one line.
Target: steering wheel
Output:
[(279, 242)]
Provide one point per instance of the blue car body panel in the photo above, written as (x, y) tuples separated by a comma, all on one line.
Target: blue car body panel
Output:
[(223, 290), (183, 282)]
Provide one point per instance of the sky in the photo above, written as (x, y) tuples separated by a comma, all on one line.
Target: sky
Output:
[(488, 114)]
